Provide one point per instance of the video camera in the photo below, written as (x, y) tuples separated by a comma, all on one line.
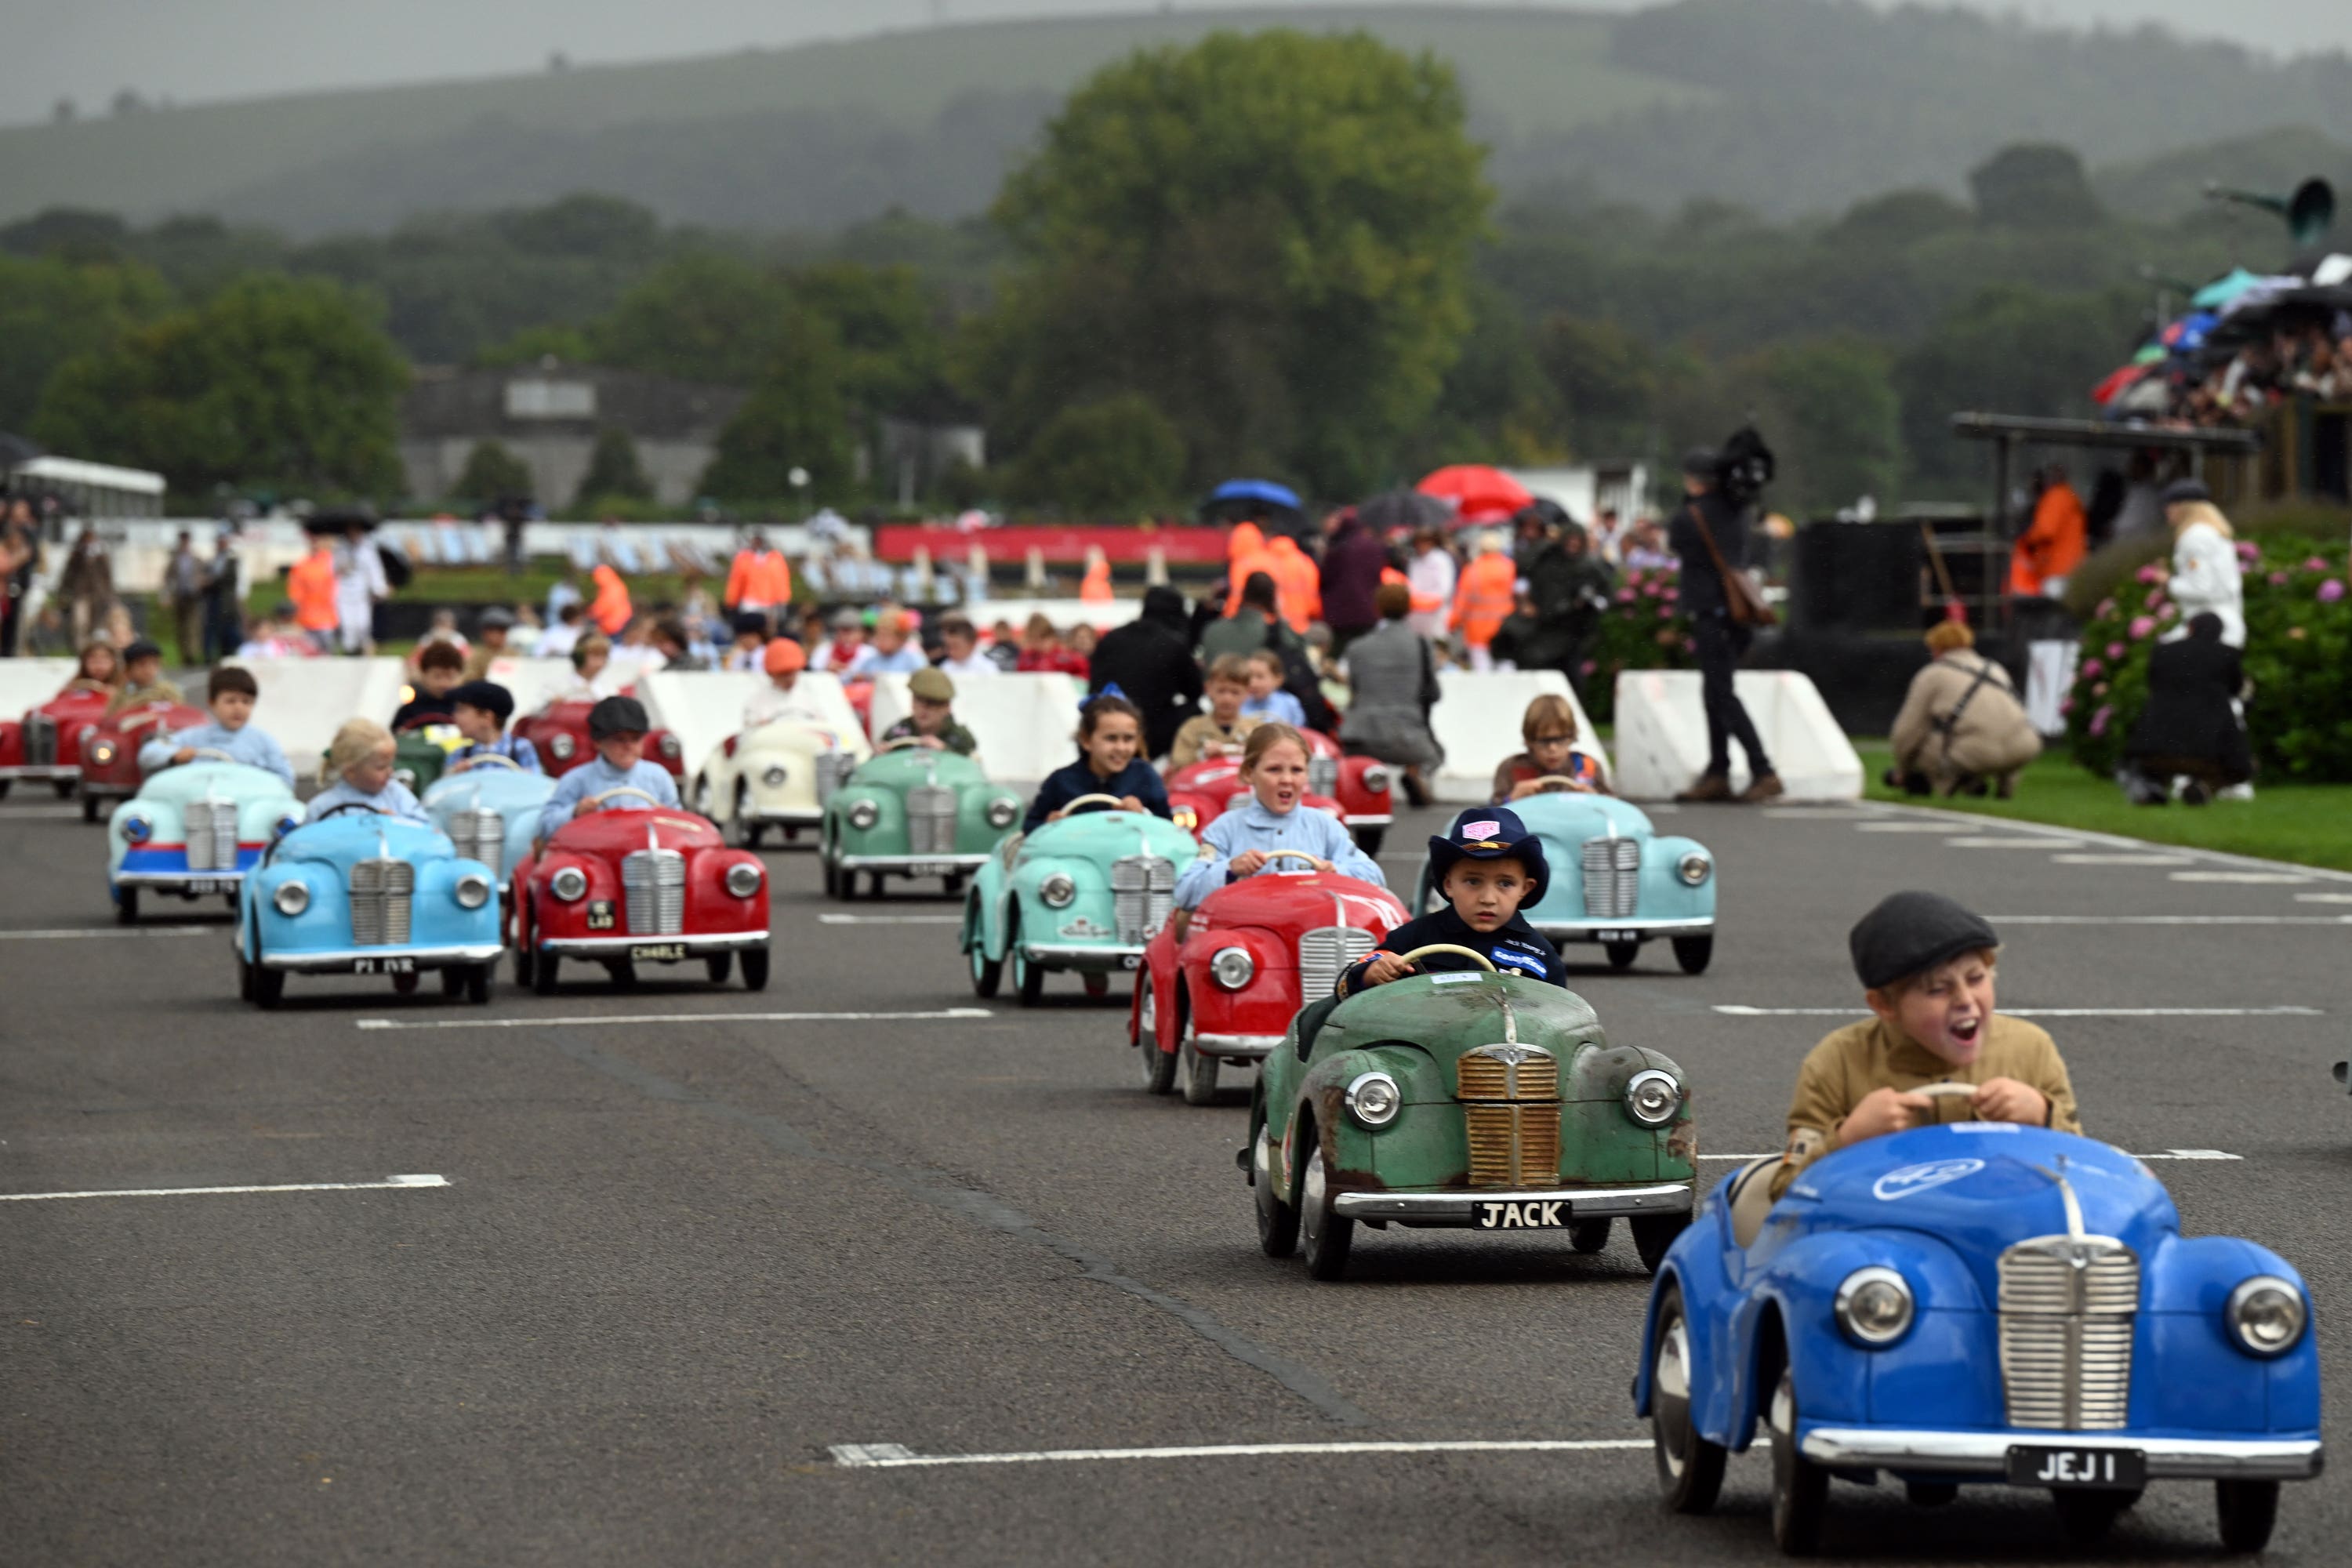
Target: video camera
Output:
[(1744, 467)]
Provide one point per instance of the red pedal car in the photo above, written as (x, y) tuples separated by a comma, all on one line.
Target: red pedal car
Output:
[(45, 743), (1199, 793), (559, 733), (1361, 785), (109, 751), (636, 883), (1254, 954)]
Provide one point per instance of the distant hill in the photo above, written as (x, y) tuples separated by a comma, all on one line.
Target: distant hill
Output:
[(1785, 106)]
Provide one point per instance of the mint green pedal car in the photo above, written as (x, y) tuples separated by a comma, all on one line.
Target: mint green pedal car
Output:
[(1085, 893), (911, 810)]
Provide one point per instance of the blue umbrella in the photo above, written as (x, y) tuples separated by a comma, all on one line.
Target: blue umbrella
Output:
[(1263, 490)]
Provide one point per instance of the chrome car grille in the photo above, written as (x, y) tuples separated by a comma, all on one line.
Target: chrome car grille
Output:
[(1612, 878), (382, 891), (654, 881), (1510, 1109), (40, 739), (1143, 892), (211, 828), (832, 771), (1323, 952), (930, 820), (478, 833), (2066, 1309), (1323, 777)]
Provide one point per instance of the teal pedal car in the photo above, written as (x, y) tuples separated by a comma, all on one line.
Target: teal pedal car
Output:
[(1466, 1099), (360, 892), (913, 811), (490, 812), (1615, 880), (194, 831), (1082, 894)]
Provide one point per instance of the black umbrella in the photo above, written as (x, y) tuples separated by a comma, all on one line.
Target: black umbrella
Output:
[(1406, 510)]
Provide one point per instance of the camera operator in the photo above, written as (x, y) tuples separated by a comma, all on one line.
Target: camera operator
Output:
[(1710, 538)]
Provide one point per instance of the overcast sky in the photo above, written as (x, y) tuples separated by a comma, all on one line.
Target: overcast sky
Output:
[(192, 50)]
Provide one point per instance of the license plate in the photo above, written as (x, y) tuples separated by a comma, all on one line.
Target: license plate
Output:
[(1537, 1213), (387, 965), (931, 868), (207, 885), (658, 952), (2118, 1470), (1616, 936), (600, 914)]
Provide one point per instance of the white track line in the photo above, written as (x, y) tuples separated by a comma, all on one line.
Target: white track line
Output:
[(219, 931), (1735, 1010), (2251, 877), (590, 1020), (2120, 859), (391, 1183), (894, 1457), (2173, 919), (2008, 841), (1910, 826), (832, 920), (2323, 897)]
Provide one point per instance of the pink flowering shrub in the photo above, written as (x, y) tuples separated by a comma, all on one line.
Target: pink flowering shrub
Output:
[(1644, 629)]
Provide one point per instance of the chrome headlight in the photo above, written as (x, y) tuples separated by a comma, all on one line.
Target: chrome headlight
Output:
[(667, 745), (1873, 1306), (102, 753), (1057, 890), (1376, 779), (1374, 1100), (404, 777), (774, 777), (1693, 868), (742, 879), (1001, 811), (2266, 1315), (865, 814), (1652, 1098), (1232, 967), (568, 883), (291, 899), (563, 745), (138, 828), (286, 825), (473, 891)]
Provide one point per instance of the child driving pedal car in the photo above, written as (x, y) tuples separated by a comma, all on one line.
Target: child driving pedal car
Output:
[(1110, 733), (1242, 842), (618, 728), (1487, 864), (1548, 730), (231, 697), (358, 771)]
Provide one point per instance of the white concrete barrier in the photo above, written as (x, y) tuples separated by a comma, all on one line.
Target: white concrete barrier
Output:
[(1064, 613), (26, 683), (305, 701), (1023, 722), (1661, 736), (702, 707), (1478, 722), (532, 680)]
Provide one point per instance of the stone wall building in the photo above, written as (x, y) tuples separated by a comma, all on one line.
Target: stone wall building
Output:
[(550, 416)]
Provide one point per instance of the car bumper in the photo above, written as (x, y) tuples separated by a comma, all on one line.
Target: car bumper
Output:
[(787, 817), (1987, 1453), (182, 881), (41, 771), (1369, 819), (102, 789), (1461, 1207), (380, 960), (1623, 931), (623, 946), (1071, 955), (1237, 1047), (912, 865)]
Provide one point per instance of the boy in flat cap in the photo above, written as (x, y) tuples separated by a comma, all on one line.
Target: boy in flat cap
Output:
[(1926, 969), (480, 709), (617, 727), (1487, 864), (933, 721)]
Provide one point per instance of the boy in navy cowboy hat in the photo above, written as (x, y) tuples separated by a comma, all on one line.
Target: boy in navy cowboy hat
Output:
[(1488, 864)]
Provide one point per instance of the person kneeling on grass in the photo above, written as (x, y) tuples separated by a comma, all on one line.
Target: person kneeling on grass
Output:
[(616, 728), (358, 771), (1487, 864)]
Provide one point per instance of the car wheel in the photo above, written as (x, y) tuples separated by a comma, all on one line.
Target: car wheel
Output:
[(832, 875), (747, 830), (4, 785), (126, 906), (1277, 1222), (1158, 1065), (1369, 840), (65, 787), (405, 984), (1800, 1488), (546, 967), (268, 984), (623, 973), (1588, 1235), (523, 953), (1654, 1234), (1098, 984), (1200, 1072), (1324, 1235), (480, 979), (755, 969), (876, 891), (2247, 1511), (987, 974), (1622, 954), (1690, 1468), (1028, 978), (719, 966), (244, 975), (89, 808), (1694, 952), (953, 885), (452, 980), (2087, 1516)]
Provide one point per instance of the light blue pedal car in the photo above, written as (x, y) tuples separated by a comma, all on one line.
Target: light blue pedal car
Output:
[(358, 892), (195, 830), (1615, 880), (491, 813), (1085, 893)]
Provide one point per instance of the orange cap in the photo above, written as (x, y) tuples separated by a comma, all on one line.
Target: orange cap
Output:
[(783, 656)]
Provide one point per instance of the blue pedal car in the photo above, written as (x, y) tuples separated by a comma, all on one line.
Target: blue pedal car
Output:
[(1615, 880), (195, 830), (1979, 1302), (490, 812), (358, 892)]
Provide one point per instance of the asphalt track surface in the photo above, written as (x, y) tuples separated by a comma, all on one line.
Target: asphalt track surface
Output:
[(683, 1256)]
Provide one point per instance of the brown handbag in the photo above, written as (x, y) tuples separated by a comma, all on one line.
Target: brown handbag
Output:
[(1741, 599)]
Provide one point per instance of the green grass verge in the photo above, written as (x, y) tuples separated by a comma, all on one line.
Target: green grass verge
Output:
[(2309, 825)]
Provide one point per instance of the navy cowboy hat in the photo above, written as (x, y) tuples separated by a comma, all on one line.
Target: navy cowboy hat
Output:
[(1490, 833)]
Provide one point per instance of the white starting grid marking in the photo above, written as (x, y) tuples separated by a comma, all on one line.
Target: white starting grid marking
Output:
[(1739, 1010), (834, 920), (2323, 897), (896, 1457), (590, 1020), (2008, 841), (2123, 860), (2256, 878), (112, 930), (390, 1184)]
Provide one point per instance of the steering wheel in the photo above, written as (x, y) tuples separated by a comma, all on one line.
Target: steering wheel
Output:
[(504, 762), (1418, 953), (1552, 784), (1945, 1091), (351, 805), (1312, 864), (211, 752), (651, 804), (1111, 801), (903, 742)]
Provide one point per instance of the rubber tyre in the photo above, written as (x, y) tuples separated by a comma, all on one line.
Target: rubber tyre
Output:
[(1158, 1065), (6, 784), (2245, 1511), (268, 984), (2087, 1516), (987, 974), (1369, 840), (1800, 1488), (1653, 1234), (406, 984), (880, 887), (1930, 1494), (623, 975), (452, 980), (548, 967), (719, 966), (481, 978), (1622, 954), (1098, 984), (832, 876), (1277, 1222), (1588, 1235), (524, 954), (1028, 979), (1693, 953), (1199, 1073), (243, 976), (126, 906), (89, 808), (1325, 1237), (1690, 1468), (755, 968), (65, 787)]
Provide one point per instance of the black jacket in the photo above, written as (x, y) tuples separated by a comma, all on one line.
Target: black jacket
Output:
[(1150, 659), (1064, 784), (1514, 946), (1567, 588), (2189, 714), (1702, 585)]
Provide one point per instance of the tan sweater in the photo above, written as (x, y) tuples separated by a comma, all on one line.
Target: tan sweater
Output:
[(1993, 736), (1204, 730)]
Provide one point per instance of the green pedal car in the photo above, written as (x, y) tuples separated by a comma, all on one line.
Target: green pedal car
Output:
[(916, 812), (1471, 1099)]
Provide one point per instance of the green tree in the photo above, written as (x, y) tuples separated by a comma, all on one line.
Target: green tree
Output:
[(1120, 456), (889, 328), (1606, 381), (491, 474), (533, 344), (1268, 236), (1838, 428), (52, 309), (794, 418), (705, 317), (614, 472), (276, 382), (2033, 184)]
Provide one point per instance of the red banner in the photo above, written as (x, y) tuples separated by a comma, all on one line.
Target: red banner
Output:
[(897, 542)]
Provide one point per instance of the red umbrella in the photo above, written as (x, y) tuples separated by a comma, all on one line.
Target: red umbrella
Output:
[(1479, 494), (2113, 385)]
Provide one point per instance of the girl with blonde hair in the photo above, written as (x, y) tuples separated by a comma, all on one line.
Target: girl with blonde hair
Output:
[(358, 771), (2205, 572)]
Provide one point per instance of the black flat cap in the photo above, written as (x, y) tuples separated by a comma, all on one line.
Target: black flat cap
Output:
[(494, 616), (617, 716), (2180, 491), (1910, 934), (141, 649), (487, 695), (1701, 462)]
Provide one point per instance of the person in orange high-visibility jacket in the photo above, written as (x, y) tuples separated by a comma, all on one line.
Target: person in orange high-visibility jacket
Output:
[(1245, 553), (1484, 597), (1297, 581), (1094, 587), (311, 585), (610, 609), (2049, 549), (760, 580)]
